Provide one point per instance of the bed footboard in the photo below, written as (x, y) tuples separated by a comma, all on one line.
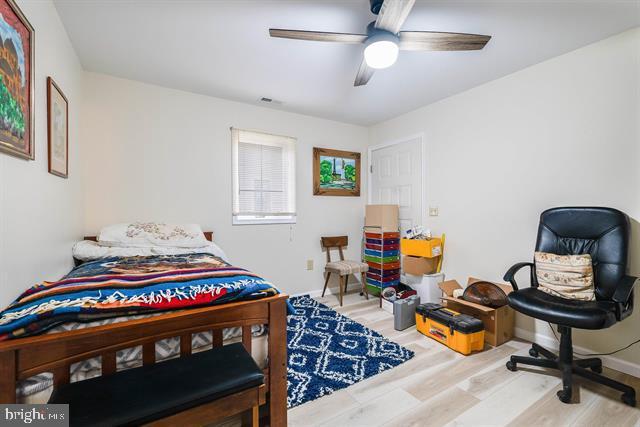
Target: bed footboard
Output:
[(25, 357)]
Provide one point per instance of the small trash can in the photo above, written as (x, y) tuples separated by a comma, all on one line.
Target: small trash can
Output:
[(404, 312)]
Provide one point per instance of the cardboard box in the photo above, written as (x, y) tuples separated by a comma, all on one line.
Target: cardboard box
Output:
[(424, 248), (498, 322), (419, 265), (384, 216)]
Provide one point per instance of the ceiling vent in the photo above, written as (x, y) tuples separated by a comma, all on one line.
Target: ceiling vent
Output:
[(270, 101)]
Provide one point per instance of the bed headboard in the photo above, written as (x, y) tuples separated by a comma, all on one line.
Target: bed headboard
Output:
[(207, 234)]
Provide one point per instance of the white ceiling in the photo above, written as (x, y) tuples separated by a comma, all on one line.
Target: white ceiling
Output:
[(222, 48)]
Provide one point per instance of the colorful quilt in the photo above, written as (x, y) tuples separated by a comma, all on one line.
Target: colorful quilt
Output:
[(111, 287)]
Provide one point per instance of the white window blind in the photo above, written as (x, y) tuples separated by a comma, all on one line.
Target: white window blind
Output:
[(263, 178)]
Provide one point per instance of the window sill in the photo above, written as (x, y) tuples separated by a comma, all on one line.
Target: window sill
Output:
[(263, 221)]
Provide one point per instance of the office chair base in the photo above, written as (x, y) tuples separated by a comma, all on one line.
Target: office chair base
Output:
[(564, 395), (590, 368)]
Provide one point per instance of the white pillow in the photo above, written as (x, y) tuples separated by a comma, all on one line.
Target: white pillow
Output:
[(87, 250), (152, 234)]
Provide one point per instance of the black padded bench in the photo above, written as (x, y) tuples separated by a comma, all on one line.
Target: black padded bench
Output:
[(191, 390)]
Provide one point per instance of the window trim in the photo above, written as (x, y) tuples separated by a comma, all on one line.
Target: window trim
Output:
[(284, 218)]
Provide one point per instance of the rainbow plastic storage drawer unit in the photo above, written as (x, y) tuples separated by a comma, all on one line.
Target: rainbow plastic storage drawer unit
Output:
[(382, 253)]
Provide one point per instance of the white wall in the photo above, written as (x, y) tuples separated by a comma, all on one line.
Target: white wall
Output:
[(160, 154), (41, 214), (563, 132), (566, 131)]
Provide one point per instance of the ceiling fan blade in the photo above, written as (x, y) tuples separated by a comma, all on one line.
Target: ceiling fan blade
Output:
[(393, 14), (364, 74), (318, 36), (432, 40)]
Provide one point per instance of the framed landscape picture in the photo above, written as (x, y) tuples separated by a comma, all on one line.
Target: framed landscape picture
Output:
[(336, 173), (16, 82), (57, 129)]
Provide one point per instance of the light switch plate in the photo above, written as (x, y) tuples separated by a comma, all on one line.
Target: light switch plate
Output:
[(309, 264), (433, 211)]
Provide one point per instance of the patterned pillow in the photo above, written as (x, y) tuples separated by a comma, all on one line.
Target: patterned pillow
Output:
[(566, 276), (152, 234)]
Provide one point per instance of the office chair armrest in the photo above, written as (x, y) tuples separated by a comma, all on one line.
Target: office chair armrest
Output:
[(509, 276), (624, 289), (623, 297)]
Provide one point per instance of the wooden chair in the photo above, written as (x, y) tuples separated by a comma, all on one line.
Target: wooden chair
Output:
[(342, 268)]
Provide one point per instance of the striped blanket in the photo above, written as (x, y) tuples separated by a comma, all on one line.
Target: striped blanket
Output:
[(111, 287)]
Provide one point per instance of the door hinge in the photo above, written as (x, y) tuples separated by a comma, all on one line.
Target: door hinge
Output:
[(371, 168)]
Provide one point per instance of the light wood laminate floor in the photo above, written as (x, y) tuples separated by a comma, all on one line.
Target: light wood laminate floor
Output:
[(440, 387)]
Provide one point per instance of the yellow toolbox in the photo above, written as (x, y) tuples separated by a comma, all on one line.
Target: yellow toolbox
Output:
[(459, 332), (424, 248)]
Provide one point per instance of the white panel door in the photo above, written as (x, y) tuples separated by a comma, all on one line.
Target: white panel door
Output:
[(396, 179)]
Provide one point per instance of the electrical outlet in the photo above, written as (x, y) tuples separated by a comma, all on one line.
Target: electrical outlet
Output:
[(433, 211), (309, 264)]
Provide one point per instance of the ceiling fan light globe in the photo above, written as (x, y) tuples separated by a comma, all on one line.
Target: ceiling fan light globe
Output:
[(381, 50), (382, 54)]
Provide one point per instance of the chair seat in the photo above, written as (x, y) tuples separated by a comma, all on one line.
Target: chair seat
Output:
[(346, 267), (562, 311), (140, 395)]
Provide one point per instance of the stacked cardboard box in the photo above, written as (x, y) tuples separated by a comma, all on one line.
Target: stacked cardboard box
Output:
[(421, 256)]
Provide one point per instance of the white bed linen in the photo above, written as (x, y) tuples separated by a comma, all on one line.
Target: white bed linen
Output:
[(87, 250)]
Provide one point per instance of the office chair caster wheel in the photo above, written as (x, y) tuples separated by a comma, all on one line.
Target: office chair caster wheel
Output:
[(629, 399), (511, 366), (533, 352), (597, 369), (564, 395)]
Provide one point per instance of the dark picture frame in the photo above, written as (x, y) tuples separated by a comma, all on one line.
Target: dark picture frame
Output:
[(336, 172), (17, 124), (57, 138)]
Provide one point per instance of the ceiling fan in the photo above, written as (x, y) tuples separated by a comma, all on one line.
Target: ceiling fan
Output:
[(384, 38)]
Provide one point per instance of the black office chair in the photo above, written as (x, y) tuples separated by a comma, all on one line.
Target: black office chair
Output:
[(604, 234)]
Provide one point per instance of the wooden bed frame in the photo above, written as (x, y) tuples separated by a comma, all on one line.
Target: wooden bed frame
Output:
[(24, 357)]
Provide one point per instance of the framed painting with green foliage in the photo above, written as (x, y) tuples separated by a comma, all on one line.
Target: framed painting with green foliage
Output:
[(16, 81), (336, 173)]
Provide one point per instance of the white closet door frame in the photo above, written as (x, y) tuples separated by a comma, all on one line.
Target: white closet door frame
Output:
[(423, 167)]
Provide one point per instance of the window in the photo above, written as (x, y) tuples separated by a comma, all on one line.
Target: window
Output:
[(264, 185)]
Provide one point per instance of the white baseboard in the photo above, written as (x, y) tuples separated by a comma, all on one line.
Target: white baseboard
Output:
[(552, 344)]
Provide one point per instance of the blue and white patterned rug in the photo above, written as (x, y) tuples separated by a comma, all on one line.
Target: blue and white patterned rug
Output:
[(328, 351)]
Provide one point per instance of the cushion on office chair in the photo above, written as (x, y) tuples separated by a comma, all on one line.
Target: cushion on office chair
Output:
[(561, 311), (602, 233), (565, 276)]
